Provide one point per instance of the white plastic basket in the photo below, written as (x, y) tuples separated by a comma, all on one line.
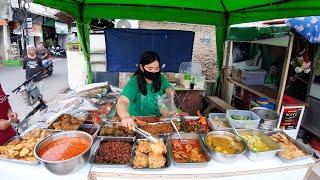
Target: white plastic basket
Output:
[(243, 124)]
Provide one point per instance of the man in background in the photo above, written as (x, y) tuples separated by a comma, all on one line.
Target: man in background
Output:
[(42, 52), (32, 64)]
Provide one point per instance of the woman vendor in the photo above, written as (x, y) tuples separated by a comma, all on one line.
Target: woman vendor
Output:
[(6, 117), (139, 97)]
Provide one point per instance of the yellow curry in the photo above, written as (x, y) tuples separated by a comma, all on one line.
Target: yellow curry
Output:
[(224, 144), (255, 142)]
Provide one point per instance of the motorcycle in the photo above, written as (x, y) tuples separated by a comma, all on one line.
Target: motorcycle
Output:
[(57, 51), (47, 65), (31, 95)]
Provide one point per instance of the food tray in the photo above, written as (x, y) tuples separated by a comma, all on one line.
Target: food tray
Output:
[(189, 136), (224, 157), (106, 165), (221, 116), (166, 119), (89, 117), (94, 133), (162, 122), (111, 124), (307, 151), (142, 118), (259, 156), (247, 124), (17, 160), (184, 128), (50, 125), (168, 160)]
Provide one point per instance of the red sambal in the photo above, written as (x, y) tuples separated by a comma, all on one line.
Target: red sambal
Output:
[(63, 149)]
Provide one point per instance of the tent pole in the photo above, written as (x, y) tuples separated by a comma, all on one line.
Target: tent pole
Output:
[(221, 36), (83, 33)]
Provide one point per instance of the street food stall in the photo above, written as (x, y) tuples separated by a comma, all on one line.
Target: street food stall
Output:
[(225, 146), (117, 152)]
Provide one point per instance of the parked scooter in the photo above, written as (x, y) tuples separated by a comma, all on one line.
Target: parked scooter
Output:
[(57, 51), (47, 65)]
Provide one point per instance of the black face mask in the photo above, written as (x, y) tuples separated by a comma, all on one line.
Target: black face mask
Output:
[(150, 75)]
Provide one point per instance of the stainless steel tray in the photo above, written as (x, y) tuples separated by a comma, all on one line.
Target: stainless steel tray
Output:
[(307, 151), (17, 160), (168, 160), (106, 165), (89, 126), (162, 122), (259, 156), (111, 124), (183, 126), (50, 125), (186, 136)]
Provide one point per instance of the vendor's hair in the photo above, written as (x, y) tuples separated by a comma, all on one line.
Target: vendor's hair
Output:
[(147, 57)]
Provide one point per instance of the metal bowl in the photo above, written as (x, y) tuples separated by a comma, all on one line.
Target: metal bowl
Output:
[(269, 118), (65, 166), (223, 157)]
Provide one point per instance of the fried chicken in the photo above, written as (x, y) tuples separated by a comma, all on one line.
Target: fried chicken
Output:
[(140, 160), (22, 148), (144, 146), (156, 160), (158, 148)]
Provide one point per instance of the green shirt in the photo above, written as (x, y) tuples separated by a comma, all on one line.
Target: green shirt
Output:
[(143, 105)]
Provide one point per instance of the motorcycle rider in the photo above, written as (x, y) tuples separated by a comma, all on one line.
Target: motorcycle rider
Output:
[(32, 64), (42, 52)]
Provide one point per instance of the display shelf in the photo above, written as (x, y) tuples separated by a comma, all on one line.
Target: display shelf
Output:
[(260, 90)]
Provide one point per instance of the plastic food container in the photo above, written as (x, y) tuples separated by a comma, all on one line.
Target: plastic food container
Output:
[(253, 77), (253, 123), (222, 116)]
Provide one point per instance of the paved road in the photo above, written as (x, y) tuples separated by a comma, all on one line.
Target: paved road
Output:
[(12, 77)]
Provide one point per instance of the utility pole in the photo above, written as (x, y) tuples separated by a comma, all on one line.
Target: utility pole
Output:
[(23, 24)]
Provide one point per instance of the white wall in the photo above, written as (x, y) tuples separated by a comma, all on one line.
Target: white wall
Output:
[(98, 52)]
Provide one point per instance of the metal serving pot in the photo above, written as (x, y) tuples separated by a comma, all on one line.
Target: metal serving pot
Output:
[(223, 157), (65, 166), (269, 118)]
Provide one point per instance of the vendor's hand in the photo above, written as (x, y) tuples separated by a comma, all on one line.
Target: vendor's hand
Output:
[(13, 116), (4, 124), (170, 91), (129, 123)]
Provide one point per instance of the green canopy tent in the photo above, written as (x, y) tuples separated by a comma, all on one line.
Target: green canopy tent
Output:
[(221, 13)]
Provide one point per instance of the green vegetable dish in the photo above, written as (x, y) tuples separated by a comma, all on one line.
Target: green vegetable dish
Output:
[(240, 117)]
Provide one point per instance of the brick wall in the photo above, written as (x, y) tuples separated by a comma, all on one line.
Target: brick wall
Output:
[(204, 47)]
